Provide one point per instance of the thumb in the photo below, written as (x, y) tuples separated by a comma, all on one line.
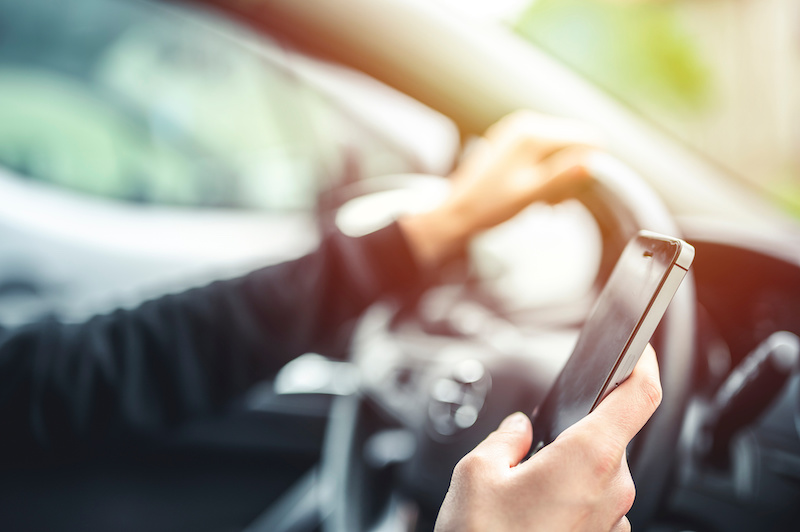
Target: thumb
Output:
[(510, 443)]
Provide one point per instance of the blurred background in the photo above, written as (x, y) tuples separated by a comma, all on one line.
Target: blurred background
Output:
[(722, 76), (146, 147), (149, 146)]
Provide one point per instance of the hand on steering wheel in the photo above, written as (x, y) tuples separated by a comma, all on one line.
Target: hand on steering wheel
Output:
[(523, 158)]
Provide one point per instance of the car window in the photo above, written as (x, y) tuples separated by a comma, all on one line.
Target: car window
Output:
[(174, 106), (721, 77)]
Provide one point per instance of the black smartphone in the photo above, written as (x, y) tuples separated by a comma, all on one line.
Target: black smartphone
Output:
[(623, 320)]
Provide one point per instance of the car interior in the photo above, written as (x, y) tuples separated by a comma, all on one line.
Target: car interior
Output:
[(355, 109)]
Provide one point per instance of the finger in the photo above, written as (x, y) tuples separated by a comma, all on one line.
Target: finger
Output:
[(510, 442), (623, 413), (623, 525), (544, 129), (565, 174)]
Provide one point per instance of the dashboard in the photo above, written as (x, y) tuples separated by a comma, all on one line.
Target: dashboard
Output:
[(447, 367), (748, 288)]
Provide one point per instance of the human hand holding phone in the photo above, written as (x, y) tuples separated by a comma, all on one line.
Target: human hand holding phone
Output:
[(579, 478), (580, 482), (624, 318)]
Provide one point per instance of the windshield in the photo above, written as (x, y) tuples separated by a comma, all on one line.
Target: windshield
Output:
[(722, 77), (171, 105)]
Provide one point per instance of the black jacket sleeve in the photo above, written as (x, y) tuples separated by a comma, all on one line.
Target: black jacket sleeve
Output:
[(63, 386)]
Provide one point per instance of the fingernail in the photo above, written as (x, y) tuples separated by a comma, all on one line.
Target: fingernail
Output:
[(514, 422)]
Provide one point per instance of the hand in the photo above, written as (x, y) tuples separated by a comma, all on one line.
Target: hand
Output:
[(523, 158), (580, 482)]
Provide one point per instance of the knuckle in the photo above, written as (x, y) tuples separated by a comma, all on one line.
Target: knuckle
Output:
[(521, 143), (505, 125), (628, 495), (577, 440), (470, 464), (599, 453), (606, 460), (604, 456), (521, 117), (623, 526)]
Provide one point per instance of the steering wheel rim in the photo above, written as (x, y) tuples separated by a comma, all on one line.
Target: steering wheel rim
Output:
[(622, 204), (616, 184)]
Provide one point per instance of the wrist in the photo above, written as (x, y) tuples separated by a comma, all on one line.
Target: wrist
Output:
[(436, 236)]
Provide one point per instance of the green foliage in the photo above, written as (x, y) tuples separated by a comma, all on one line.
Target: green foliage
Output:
[(639, 51), (785, 190)]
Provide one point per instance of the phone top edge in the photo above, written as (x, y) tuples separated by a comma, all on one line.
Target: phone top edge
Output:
[(686, 251), (685, 255)]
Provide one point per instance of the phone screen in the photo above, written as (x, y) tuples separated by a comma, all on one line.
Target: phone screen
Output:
[(614, 328)]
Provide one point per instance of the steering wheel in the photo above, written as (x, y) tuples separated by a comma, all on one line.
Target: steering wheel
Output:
[(387, 445)]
